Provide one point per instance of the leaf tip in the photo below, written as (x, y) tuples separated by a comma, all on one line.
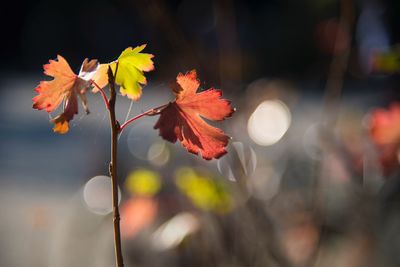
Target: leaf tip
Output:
[(61, 127)]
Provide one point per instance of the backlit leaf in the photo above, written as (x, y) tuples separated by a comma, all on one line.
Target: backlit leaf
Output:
[(182, 119), (130, 72), (65, 87)]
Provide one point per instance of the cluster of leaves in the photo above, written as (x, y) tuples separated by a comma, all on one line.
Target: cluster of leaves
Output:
[(67, 86), (180, 119)]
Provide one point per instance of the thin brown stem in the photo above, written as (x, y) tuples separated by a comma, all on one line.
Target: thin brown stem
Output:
[(150, 112), (114, 124)]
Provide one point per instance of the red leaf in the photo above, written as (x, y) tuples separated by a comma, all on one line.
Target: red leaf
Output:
[(65, 87), (385, 125), (384, 130), (182, 119)]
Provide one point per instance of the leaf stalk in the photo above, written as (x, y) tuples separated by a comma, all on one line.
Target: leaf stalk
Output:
[(150, 112)]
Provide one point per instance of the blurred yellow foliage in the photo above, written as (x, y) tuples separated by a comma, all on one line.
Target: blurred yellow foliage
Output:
[(387, 61), (143, 182), (204, 191)]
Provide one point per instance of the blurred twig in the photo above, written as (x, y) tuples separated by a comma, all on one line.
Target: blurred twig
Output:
[(338, 67), (333, 92)]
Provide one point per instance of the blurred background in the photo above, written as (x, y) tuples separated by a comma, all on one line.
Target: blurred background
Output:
[(312, 173)]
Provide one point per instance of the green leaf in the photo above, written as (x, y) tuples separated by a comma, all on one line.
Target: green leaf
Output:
[(130, 76)]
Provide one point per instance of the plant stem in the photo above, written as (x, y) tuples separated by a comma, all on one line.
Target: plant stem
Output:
[(113, 167), (115, 131)]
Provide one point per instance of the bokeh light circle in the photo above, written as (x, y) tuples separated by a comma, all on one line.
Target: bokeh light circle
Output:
[(140, 138), (97, 195), (158, 153), (269, 122)]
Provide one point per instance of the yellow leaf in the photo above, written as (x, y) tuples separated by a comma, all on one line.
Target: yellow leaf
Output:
[(131, 65)]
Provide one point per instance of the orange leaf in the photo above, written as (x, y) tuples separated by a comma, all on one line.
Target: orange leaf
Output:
[(384, 130), (182, 119), (65, 87)]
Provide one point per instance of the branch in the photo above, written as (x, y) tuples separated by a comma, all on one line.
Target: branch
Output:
[(113, 167)]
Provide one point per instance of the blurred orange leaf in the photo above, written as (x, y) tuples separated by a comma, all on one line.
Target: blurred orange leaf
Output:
[(385, 125), (385, 133), (137, 213)]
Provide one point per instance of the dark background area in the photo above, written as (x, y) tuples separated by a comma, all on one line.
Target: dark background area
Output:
[(266, 38)]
